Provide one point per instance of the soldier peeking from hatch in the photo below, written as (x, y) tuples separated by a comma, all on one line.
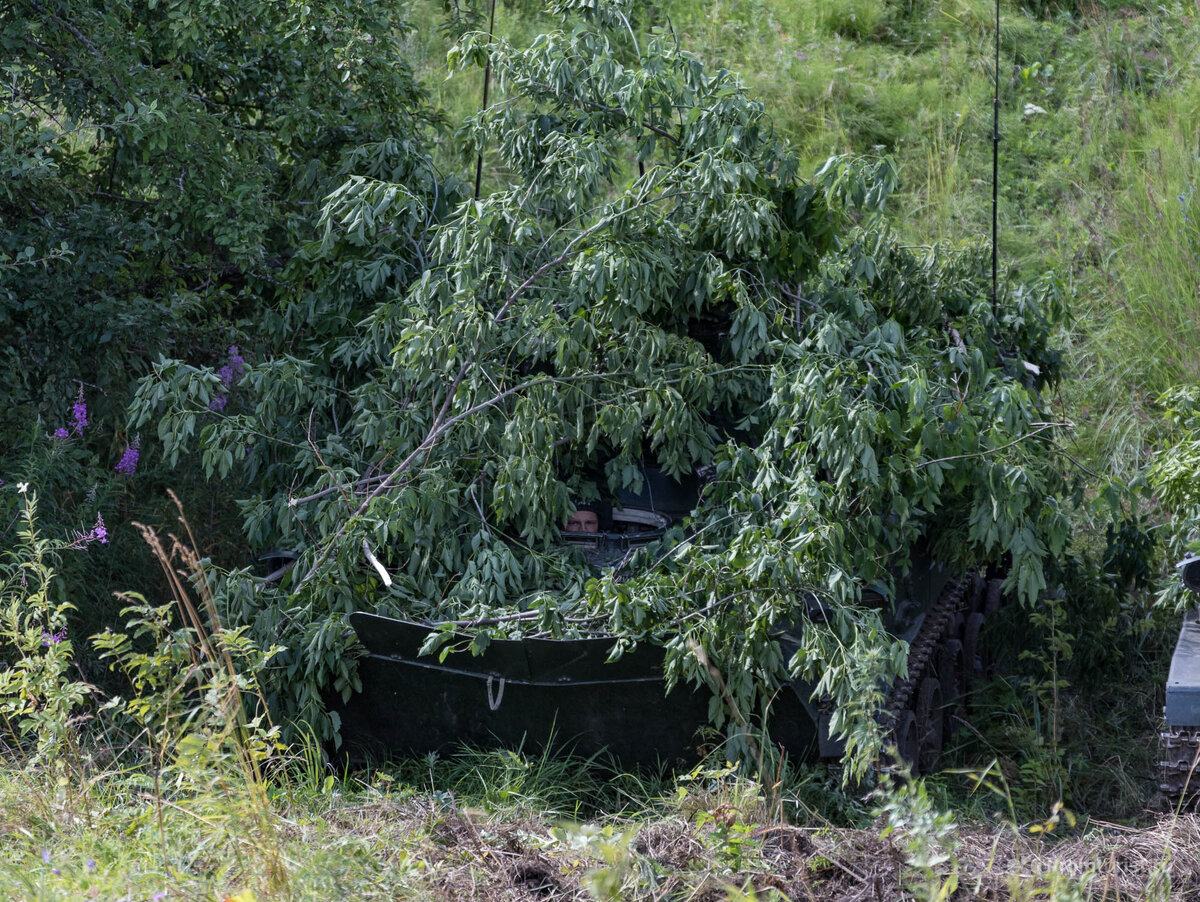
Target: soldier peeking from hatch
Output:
[(583, 521)]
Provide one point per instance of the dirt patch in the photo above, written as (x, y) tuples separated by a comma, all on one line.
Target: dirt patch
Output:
[(785, 839), (535, 877)]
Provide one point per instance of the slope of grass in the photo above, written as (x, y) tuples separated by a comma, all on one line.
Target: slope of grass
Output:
[(1100, 111)]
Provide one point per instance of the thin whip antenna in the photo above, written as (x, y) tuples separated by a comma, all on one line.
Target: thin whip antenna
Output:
[(487, 80), (996, 161)]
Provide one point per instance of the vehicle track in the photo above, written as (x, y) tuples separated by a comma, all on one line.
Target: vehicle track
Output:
[(944, 656)]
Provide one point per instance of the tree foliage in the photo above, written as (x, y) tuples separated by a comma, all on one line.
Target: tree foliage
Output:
[(653, 282), (163, 163)]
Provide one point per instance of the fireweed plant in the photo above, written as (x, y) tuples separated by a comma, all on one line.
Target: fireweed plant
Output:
[(38, 695), (190, 721), (655, 282), (56, 442), (129, 460)]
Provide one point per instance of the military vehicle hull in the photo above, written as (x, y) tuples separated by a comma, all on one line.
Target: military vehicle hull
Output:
[(534, 693)]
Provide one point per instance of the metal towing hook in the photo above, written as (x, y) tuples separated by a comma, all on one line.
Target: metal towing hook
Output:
[(1180, 740)]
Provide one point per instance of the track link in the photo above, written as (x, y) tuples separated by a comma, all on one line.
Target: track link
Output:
[(926, 644), (1179, 769), (942, 657)]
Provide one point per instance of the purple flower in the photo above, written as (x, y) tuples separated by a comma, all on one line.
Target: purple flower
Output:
[(230, 375), (91, 864), (98, 533), (46, 855), (231, 372), (129, 460), (49, 639), (61, 433), (79, 413)]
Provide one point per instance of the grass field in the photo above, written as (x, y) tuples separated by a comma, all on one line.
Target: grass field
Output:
[(494, 826)]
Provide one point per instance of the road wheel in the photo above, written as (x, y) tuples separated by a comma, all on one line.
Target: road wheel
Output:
[(974, 664), (975, 594), (995, 598), (929, 721), (907, 740), (952, 675)]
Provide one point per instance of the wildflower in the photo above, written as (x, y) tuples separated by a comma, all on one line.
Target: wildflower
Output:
[(91, 864), (79, 413), (22, 487), (48, 639), (218, 403), (46, 855), (99, 532), (231, 372), (129, 460), (61, 433)]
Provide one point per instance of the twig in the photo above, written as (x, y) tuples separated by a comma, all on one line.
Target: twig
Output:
[(605, 108), (379, 568), (439, 426), (708, 609), (1091, 473), (368, 480), (1042, 427), (441, 423), (78, 35)]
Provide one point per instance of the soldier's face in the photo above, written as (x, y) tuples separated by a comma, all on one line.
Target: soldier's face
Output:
[(583, 521)]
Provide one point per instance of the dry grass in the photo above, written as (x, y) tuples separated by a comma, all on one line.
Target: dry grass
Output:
[(479, 857), (697, 839)]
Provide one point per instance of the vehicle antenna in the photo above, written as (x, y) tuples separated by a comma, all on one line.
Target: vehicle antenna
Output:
[(995, 160), (487, 79)]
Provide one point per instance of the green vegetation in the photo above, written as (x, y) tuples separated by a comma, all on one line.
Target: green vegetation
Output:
[(239, 258), (190, 796), (1099, 125)]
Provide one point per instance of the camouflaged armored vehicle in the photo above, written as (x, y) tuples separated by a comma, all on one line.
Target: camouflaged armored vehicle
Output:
[(534, 692)]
